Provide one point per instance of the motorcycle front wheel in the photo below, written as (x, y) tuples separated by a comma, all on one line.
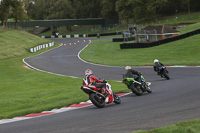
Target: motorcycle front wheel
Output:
[(97, 100), (149, 90), (166, 75), (117, 100)]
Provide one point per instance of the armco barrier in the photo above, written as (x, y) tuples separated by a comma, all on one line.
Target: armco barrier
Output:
[(42, 46), (160, 42)]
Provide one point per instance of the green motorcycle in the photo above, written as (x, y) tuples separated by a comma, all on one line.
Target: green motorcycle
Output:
[(137, 87)]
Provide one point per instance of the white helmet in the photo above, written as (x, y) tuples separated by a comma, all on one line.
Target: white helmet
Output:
[(88, 72), (127, 67), (156, 60)]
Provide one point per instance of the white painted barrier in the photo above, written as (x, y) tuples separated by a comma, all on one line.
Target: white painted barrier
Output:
[(76, 35), (65, 36), (68, 36), (39, 47), (60, 36)]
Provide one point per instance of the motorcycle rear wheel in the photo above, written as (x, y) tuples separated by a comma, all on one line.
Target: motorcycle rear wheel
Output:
[(97, 100), (117, 100), (135, 90)]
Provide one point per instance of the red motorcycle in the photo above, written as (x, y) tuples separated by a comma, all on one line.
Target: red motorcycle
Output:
[(97, 98)]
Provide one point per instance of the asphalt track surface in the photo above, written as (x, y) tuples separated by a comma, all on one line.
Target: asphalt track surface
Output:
[(171, 101)]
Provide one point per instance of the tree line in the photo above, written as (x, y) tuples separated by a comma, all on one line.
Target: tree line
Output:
[(137, 10)]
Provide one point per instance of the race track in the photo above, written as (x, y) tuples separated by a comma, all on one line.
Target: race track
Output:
[(172, 101)]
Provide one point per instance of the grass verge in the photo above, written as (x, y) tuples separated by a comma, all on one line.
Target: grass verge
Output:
[(22, 92), (14, 43), (25, 91), (191, 126), (182, 52)]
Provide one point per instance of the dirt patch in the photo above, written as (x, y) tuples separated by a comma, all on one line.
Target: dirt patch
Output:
[(25, 66)]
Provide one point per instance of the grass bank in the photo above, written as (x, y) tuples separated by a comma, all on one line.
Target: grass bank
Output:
[(25, 91), (14, 43), (182, 52), (182, 127)]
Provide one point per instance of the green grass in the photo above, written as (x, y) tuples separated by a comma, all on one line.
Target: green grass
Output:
[(22, 92), (174, 19), (14, 43), (180, 18), (182, 52), (191, 126), (189, 28)]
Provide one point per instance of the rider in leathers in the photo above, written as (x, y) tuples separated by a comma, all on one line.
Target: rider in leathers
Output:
[(157, 66), (130, 73), (92, 80)]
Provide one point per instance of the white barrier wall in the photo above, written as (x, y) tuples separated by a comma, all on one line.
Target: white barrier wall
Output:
[(42, 46), (66, 36)]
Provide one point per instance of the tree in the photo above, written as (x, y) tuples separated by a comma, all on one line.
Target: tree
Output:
[(185, 4), (108, 9), (60, 9), (18, 11), (153, 6), (124, 9), (4, 11)]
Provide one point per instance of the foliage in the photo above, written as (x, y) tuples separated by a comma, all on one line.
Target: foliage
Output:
[(18, 12), (12, 8), (138, 10), (108, 9), (4, 11), (113, 9)]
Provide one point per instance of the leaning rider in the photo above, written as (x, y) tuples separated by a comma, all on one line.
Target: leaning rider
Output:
[(130, 73), (157, 66), (90, 79)]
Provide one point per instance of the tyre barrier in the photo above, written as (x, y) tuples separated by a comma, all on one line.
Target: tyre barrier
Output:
[(123, 40), (160, 42)]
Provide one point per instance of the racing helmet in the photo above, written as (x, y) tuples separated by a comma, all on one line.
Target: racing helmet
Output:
[(156, 60), (88, 72), (127, 67)]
